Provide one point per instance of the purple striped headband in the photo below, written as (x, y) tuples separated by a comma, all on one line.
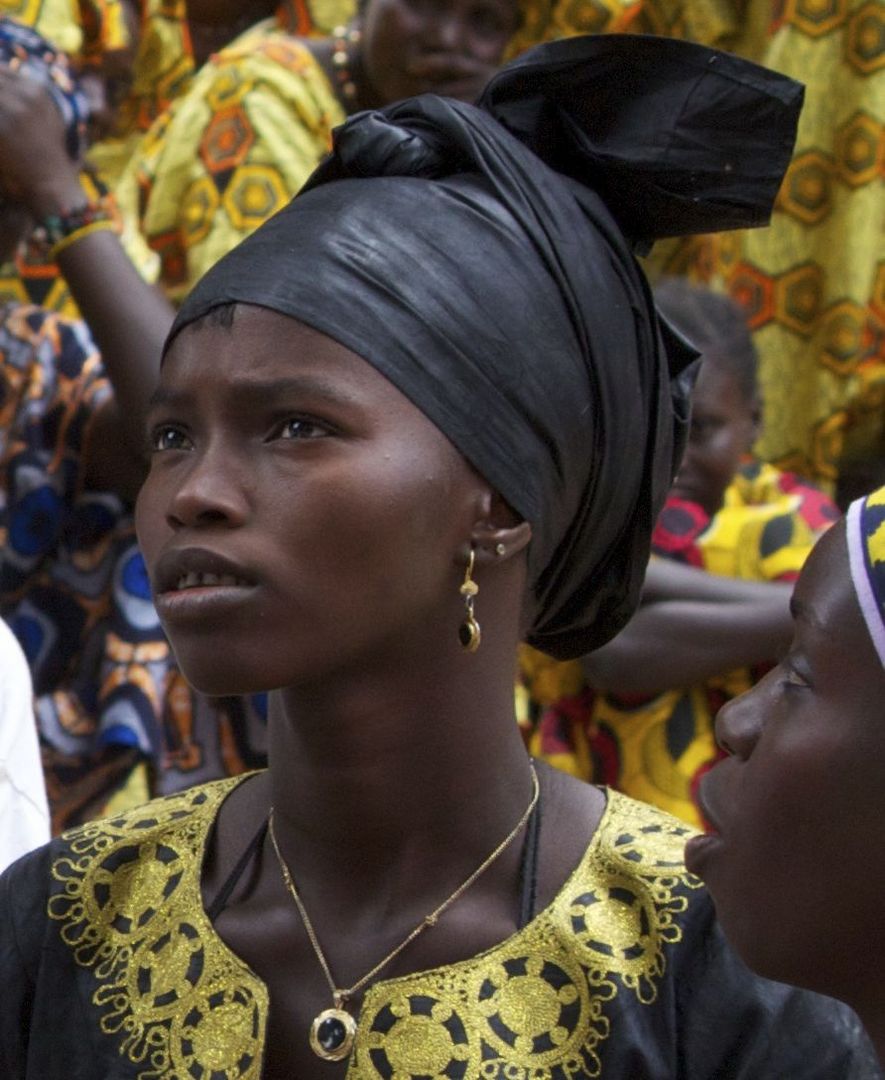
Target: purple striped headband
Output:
[(865, 530)]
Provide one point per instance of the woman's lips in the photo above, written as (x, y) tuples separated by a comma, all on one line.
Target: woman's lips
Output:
[(699, 850), (205, 600), (447, 76), (196, 583)]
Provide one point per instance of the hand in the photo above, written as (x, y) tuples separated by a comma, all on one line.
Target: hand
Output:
[(35, 169)]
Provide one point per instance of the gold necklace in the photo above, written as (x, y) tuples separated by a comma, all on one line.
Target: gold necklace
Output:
[(333, 1030)]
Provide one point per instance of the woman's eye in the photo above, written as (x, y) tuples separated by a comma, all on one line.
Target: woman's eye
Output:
[(168, 437), (298, 428)]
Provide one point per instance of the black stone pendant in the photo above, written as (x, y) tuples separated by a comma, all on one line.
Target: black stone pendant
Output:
[(332, 1034)]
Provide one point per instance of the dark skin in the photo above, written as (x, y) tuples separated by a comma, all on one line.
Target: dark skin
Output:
[(396, 765), (411, 47), (724, 426), (711, 624), (214, 23), (793, 857)]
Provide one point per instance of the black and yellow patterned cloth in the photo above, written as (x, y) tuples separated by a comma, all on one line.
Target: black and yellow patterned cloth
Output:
[(118, 972)]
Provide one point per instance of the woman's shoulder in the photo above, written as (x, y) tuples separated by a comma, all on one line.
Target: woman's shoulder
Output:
[(180, 822), (106, 924)]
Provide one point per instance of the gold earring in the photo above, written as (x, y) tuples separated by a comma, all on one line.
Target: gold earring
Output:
[(469, 633)]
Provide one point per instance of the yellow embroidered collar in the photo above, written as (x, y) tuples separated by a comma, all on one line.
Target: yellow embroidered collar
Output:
[(180, 1003)]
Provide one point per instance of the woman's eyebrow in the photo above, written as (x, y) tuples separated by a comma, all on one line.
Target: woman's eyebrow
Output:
[(253, 390), (803, 612)]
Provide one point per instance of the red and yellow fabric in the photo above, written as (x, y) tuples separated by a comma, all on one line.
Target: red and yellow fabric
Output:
[(228, 155), (657, 748)]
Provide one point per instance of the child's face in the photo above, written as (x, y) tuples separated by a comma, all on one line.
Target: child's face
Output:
[(300, 515), (795, 862), (723, 429)]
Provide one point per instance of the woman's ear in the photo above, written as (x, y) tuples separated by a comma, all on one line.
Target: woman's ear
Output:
[(499, 532)]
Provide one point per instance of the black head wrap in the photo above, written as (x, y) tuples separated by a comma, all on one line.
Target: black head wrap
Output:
[(500, 294)]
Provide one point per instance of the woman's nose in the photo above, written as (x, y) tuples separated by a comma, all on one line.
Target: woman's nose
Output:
[(444, 30), (739, 722), (211, 493)]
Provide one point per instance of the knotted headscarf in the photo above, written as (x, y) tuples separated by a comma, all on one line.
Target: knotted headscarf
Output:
[(865, 532), (481, 259), (31, 53)]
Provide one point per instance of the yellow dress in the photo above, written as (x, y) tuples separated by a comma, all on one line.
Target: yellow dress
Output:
[(163, 69), (624, 974), (227, 155)]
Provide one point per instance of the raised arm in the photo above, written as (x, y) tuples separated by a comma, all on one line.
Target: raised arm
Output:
[(128, 318)]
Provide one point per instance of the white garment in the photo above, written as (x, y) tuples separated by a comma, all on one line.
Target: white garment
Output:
[(24, 814)]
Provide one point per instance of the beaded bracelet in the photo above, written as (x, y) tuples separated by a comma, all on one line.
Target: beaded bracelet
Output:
[(58, 231)]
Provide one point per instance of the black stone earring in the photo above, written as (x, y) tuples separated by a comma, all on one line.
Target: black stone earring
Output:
[(469, 633)]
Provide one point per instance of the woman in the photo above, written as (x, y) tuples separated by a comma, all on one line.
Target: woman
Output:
[(796, 809), (365, 517)]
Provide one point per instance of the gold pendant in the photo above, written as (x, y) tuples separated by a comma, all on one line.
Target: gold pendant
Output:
[(332, 1034)]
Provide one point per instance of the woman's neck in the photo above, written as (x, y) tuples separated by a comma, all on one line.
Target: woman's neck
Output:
[(393, 774)]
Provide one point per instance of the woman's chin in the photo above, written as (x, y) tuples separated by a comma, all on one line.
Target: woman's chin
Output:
[(208, 680)]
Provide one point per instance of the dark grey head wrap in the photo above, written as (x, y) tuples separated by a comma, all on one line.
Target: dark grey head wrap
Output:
[(501, 294)]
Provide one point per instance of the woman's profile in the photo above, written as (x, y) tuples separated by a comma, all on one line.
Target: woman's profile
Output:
[(796, 808), (423, 413)]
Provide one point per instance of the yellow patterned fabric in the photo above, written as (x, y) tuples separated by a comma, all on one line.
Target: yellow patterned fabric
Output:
[(163, 69), (813, 284), (657, 748), (709, 22), (227, 155), (84, 29)]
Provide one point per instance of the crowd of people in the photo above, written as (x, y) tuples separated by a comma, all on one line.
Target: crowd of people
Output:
[(390, 389)]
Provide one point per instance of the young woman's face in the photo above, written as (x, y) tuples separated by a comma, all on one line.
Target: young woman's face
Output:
[(447, 47), (795, 860), (723, 429), (300, 515)]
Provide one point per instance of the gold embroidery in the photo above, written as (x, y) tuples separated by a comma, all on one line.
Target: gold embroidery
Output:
[(535, 1006), (177, 1000), (181, 1005)]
